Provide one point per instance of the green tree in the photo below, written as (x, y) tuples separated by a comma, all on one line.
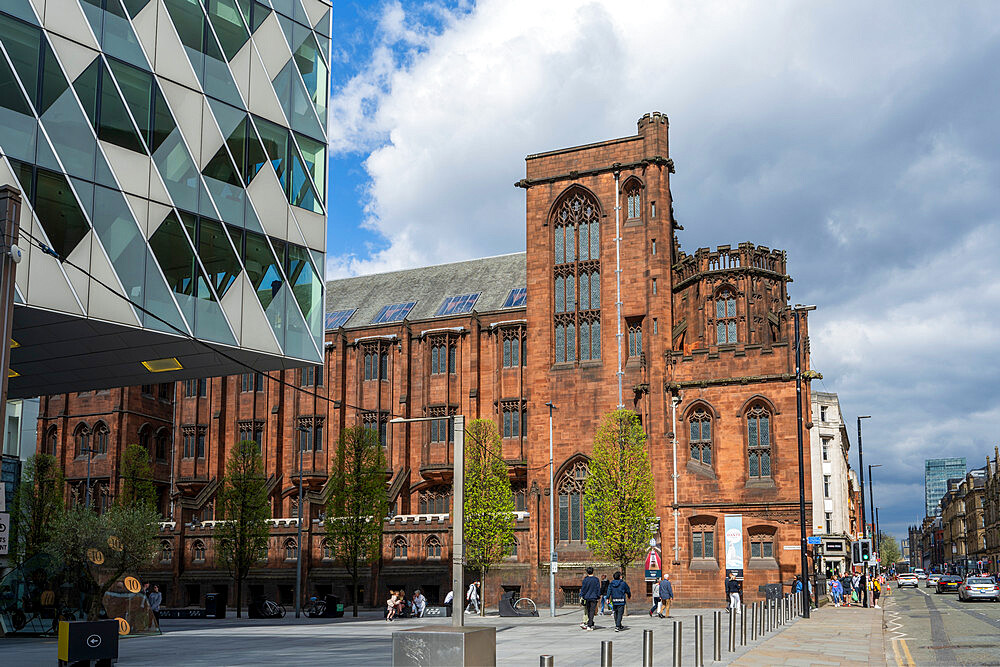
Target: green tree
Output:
[(358, 501), (489, 502), (618, 499), (136, 486), (242, 537), (888, 550), (37, 504)]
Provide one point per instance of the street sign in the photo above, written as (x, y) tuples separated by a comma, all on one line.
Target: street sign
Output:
[(814, 539), (653, 565), (792, 547), (4, 533), (654, 575)]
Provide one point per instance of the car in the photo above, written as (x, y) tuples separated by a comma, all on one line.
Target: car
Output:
[(931, 580), (907, 580), (948, 583), (978, 588), (920, 573)]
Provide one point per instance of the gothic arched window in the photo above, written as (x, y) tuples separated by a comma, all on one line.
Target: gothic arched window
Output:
[(51, 441), (633, 200), (577, 279), (434, 547), (725, 316), (399, 547), (759, 441), (291, 549), (700, 428), (146, 437), (166, 552), (82, 437), (572, 524), (198, 551)]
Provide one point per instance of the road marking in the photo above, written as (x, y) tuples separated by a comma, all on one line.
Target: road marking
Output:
[(895, 651), (909, 657)]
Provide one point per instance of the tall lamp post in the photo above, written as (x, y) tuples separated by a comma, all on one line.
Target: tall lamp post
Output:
[(871, 503), (304, 431), (796, 312), (864, 524), (89, 451), (552, 531), (458, 511)]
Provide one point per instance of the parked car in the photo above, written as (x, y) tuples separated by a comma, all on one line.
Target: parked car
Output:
[(948, 583), (907, 580), (931, 580), (979, 588)]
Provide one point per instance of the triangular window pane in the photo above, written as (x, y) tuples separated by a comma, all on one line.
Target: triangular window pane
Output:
[(115, 125)]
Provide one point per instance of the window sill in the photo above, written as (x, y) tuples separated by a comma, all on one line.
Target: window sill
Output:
[(701, 469), (762, 564), (709, 564), (760, 483)]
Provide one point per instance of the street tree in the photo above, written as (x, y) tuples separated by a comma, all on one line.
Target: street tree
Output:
[(618, 498), (358, 501), (241, 538), (489, 502), (37, 504), (136, 485), (888, 550)]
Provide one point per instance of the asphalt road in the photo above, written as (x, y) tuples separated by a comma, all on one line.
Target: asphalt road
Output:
[(925, 628)]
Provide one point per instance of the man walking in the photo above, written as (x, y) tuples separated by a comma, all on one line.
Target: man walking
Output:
[(604, 593), (666, 596), (733, 591), (472, 597), (619, 592), (848, 584), (656, 598), (590, 593)]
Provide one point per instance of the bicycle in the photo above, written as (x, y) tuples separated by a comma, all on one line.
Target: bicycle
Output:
[(316, 608), (269, 609)]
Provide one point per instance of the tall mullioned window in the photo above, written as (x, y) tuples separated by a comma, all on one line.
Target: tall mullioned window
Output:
[(633, 201), (725, 316), (759, 441), (577, 277), (701, 436), (572, 525)]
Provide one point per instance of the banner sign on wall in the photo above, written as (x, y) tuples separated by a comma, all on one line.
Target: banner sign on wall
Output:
[(734, 543)]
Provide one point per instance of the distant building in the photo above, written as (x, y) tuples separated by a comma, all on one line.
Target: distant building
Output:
[(937, 472), (832, 480)]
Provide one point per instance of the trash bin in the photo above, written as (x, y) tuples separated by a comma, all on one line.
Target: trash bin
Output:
[(770, 591), (215, 605), (334, 607)]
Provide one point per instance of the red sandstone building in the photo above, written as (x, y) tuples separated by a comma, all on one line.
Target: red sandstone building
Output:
[(706, 353)]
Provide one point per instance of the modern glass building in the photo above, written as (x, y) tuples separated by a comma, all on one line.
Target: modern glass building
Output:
[(937, 472), (171, 156)]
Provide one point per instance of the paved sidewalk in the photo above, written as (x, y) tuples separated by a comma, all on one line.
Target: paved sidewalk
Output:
[(832, 636)]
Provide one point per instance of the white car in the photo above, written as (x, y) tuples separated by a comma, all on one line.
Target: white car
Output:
[(920, 573), (907, 580)]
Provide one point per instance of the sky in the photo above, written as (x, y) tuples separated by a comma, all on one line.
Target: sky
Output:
[(860, 137)]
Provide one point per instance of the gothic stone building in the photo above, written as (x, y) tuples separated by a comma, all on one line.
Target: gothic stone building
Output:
[(604, 309)]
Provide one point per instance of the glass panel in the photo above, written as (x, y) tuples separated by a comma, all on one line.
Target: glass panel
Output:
[(135, 6), (584, 243), (137, 88), (119, 40), (115, 126), (314, 71), (58, 211), (188, 19), (295, 102), (560, 242), (434, 360), (570, 342), (228, 24), (506, 353), (86, 86), (731, 307), (732, 331), (585, 341), (255, 158), (22, 42), (695, 449), (560, 295), (595, 290), (314, 156), (709, 544), (217, 78), (275, 141), (694, 431), (259, 12), (584, 291), (301, 192), (574, 509), (720, 308), (765, 464), (755, 550), (706, 454), (262, 268), (226, 186), (706, 430), (595, 240), (768, 549), (696, 542), (595, 340), (217, 256), (754, 464), (752, 432), (570, 293), (560, 344), (178, 171), (563, 517), (17, 124), (571, 244), (720, 333), (765, 431)]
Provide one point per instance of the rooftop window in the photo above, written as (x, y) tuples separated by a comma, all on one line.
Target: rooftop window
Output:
[(339, 318), (516, 298), (455, 305), (394, 313)]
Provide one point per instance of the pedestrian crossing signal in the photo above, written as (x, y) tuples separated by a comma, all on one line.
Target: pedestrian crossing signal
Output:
[(861, 552)]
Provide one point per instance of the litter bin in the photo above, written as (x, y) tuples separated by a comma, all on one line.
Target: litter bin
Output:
[(334, 607), (81, 642), (215, 605), (770, 591)]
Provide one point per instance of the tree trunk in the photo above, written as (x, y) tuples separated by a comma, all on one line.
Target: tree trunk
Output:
[(355, 596), (239, 597), (482, 591)]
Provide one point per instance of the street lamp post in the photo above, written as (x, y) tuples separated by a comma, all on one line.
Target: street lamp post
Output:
[(89, 451), (871, 503), (796, 311), (552, 530), (298, 561), (458, 510), (864, 524)]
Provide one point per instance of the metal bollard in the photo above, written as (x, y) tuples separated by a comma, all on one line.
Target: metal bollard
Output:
[(699, 641), (647, 648), (678, 643), (717, 636), (781, 611), (545, 661), (732, 630), (606, 653), (769, 617), (753, 622), (743, 625)]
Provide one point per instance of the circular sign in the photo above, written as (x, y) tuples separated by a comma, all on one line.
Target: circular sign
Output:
[(115, 543), (123, 627), (132, 584), (96, 556), (93, 641)]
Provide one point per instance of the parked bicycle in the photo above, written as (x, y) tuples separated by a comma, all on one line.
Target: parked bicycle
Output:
[(316, 608), (270, 609)]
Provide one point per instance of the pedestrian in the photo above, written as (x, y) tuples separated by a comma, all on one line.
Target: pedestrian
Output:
[(419, 603), (590, 593), (390, 606), (155, 598), (837, 591), (448, 601), (656, 598), (604, 593), (876, 590), (619, 593), (848, 585), (733, 591), (472, 598), (666, 596)]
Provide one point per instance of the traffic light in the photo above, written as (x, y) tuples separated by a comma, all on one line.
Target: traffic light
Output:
[(861, 552)]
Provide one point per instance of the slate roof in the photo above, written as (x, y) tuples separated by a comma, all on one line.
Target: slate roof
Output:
[(428, 286)]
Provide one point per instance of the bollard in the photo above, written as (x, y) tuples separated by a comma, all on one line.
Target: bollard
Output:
[(769, 617), (788, 609), (699, 641), (743, 625), (717, 636), (678, 639), (545, 661), (647, 648), (753, 622), (606, 653), (732, 630)]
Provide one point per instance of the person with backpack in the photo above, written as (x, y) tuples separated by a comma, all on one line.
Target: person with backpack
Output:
[(620, 593)]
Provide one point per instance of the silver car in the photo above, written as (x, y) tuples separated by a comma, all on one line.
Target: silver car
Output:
[(931, 580), (979, 588)]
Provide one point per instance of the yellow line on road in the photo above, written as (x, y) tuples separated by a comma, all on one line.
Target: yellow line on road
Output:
[(895, 650), (909, 657)]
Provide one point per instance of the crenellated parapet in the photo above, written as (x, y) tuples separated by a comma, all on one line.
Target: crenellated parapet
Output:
[(745, 258)]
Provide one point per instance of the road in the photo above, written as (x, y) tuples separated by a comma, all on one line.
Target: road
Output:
[(925, 628)]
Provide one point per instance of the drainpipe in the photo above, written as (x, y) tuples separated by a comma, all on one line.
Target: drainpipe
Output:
[(674, 401), (618, 284)]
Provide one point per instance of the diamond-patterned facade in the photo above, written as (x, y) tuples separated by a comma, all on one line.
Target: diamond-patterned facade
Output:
[(172, 156)]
